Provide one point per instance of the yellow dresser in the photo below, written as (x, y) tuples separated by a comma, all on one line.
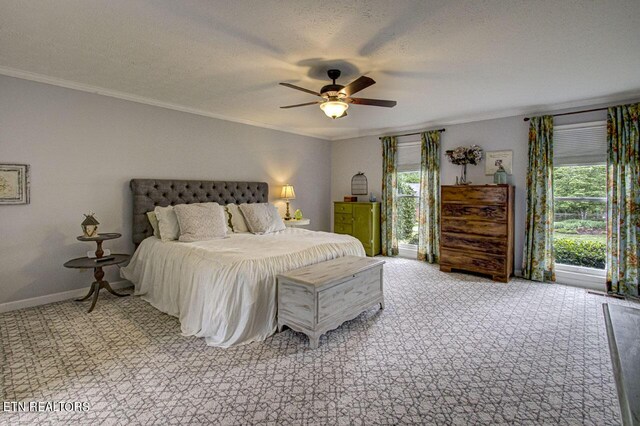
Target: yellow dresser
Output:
[(361, 220)]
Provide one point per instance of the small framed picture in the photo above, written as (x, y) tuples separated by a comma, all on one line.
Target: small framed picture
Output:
[(14, 184), (494, 158)]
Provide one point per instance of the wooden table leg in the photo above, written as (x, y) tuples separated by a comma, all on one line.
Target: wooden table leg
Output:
[(105, 284), (95, 297), (93, 288), (98, 284)]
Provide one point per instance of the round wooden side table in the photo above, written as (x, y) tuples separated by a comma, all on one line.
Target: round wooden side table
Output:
[(97, 265), (98, 274), (99, 239)]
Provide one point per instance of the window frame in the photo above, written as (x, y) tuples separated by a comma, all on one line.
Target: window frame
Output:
[(404, 249), (572, 274)]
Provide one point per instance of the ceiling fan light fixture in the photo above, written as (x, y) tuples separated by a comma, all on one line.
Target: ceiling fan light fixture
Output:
[(334, 109)]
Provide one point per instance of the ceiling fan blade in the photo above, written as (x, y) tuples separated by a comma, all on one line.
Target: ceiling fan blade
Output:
[(300, 88), (357, 85), (373, 102), (299, 105)]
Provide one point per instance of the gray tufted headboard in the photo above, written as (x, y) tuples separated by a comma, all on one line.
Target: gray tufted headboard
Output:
[(149, 193)]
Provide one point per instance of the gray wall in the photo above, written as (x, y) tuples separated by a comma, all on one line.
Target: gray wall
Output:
[(83, 150), (365, 154)]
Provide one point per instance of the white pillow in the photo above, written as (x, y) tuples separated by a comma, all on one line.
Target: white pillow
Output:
[(167, 223), (237, 219), (262, 218), (200, 222), (153, 221)]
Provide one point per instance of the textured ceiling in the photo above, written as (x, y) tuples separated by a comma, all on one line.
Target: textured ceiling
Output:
[(441, 60)]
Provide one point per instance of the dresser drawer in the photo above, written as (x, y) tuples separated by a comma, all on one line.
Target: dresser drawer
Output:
[(343, 218), (343, 208), (475, 194), (474, 242), (478, 262), (342, 228), (475, 227), (475, 212)]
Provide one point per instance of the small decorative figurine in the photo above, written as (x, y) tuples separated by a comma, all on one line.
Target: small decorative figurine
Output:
[(90, 226), (372, 198), (500, 176), (297, 215)]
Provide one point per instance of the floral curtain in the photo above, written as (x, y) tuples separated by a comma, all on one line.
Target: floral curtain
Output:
[(623, 199), (429, 213), (538, 257), (389, 214)]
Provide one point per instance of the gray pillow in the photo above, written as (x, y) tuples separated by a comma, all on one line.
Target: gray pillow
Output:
[(200, 222), (262, 218)]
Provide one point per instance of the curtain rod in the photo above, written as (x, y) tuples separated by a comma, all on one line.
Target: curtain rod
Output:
[(411, 134), (571, 113)]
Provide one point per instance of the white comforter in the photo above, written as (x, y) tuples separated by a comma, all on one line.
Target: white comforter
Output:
[(224, 290)]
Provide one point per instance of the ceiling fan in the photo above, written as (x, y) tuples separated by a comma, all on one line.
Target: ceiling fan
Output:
[(336, 97)]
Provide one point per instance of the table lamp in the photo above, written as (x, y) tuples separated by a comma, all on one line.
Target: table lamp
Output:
[(288, 194)]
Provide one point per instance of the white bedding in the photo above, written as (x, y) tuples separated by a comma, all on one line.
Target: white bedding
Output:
[(224, 290)]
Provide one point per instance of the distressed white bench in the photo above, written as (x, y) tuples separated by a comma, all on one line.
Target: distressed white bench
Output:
[(320, 297)]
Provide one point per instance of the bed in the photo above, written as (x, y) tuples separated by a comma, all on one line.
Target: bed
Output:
[(223, 290)]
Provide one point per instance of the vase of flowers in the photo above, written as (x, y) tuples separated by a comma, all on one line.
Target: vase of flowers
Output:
[(462, 156)]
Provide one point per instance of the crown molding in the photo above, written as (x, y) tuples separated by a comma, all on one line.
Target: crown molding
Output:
[(619, 98), (40, 78), (512, 112)]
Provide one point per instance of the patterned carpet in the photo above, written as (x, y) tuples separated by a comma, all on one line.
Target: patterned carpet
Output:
[(448, 349)]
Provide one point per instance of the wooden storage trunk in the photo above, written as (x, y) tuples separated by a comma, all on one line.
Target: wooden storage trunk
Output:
[(320, 297)]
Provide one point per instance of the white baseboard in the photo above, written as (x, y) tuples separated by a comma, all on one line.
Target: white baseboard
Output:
[(55, 297)]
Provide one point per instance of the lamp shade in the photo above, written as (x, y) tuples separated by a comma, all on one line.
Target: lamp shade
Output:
[(288, 192), (334, 109)]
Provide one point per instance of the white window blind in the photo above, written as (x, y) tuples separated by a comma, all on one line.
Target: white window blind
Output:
[(580, 144), (408, 156)]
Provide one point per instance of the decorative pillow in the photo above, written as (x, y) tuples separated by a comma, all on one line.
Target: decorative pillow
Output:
[(167, 223), (238, 223), (227, 220), (153, 221), (262, 218), (199, 222)]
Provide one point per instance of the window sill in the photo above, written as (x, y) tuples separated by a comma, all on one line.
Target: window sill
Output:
[(409, 251), (578, 276)]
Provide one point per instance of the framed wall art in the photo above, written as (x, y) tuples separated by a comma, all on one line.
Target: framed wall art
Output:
[(490, 165), (14, 184)]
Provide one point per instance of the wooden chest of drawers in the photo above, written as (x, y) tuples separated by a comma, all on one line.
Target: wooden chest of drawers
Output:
[(476, 229)]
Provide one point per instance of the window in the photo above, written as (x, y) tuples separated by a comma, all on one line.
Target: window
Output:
[(408, 193), (579, 186)]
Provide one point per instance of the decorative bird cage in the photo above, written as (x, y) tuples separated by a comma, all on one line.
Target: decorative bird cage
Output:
[(359, 185)]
